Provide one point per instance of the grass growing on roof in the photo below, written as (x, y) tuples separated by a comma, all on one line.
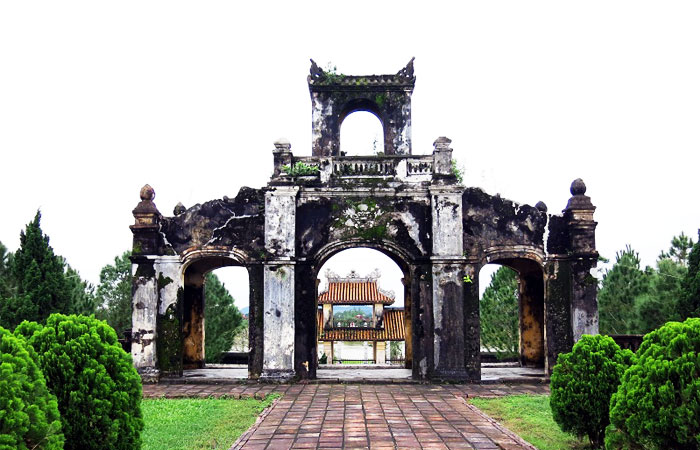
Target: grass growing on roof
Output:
[(530, 417), (198, 423)]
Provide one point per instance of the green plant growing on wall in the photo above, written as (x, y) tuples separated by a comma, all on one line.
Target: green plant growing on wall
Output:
[(300, 169), (332, 76), (457, 171)]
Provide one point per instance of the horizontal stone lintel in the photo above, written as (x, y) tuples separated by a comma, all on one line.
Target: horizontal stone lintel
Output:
[(363, 192), (448, 260), (280, 262)]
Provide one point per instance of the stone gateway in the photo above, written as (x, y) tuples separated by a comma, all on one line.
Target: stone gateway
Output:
[(409, 207)]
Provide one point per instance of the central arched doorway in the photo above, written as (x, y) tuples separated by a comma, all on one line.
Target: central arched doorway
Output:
[(369, 282)]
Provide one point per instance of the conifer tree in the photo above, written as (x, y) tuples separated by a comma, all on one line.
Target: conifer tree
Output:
[(222, 319), (499, 313), (7, 284), (689, 304), (42, 288), (113, 297), (622, 285)]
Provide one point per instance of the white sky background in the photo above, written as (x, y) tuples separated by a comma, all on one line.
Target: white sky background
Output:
[(98, 99)]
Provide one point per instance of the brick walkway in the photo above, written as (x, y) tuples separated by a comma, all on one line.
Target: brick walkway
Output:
[(366, 416)]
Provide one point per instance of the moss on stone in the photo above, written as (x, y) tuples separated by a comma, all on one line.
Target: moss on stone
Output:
[(169, 339)]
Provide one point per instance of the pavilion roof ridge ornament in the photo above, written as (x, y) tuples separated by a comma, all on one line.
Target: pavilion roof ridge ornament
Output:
[(353, 277), (319, 77)]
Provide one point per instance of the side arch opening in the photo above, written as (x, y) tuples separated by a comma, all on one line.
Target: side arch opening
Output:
[(218, 326), (512, 317)]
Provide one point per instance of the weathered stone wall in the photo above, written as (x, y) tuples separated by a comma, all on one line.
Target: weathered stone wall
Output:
[(230, 223), (410, 207)]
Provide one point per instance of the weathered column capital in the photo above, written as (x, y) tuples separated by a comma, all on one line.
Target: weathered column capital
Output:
[(442, 158), (579, 219), (282, 156), (146, 227), (146, 214)]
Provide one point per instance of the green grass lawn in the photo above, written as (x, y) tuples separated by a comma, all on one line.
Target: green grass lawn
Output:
[(206, 423), (531, 418)]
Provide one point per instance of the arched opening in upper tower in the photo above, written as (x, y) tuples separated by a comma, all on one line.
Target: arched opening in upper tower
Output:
[(361, 134)]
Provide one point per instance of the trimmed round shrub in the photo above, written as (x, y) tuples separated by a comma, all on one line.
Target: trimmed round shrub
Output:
[(583, 382), (97, 387), (658, 403), (29, 416)]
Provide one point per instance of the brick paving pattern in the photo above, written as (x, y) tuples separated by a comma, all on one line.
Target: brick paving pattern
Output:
[(367, 416)]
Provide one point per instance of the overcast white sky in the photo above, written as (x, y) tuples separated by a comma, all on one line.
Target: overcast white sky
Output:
[(99, 98)]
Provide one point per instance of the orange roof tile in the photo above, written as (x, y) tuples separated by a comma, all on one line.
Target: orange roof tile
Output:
[(394, 329), (353, 293)]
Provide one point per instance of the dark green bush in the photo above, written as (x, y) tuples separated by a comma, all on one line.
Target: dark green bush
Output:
[(658, 403), (97, 387), (29, 416), (583, 382)]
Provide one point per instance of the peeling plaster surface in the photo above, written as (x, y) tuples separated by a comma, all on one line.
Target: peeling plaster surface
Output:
[(143, 319), (279, 317), (280, 221), (582, 323), (447, 224), (168, 268)]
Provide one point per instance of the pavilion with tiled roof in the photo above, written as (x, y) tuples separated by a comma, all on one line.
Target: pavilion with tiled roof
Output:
[(386, 325)]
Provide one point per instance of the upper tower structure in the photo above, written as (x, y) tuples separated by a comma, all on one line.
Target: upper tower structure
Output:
[(335, 96)]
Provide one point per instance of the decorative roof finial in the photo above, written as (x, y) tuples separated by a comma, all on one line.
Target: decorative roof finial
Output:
[(578, 187), (147, 193), (179, 209)]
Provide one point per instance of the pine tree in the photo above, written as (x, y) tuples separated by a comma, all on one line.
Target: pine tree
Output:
[(499, 313), (113, 297), (42, 288), (622, 285), (689, 303), (222, 319), (82, 292), (7, 283), (681, 246)]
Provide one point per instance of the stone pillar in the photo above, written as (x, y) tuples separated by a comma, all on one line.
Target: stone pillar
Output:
[(328, 350), (144, 293), (279, 283), (282, 156), (327, 316), (408, 324), (557, 311), (448, 294), (420, 284), (255, 320), (305, 328), (472, 324), (584, 258), (380, 352), (144, 304), (442, 158), (378, 315)]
